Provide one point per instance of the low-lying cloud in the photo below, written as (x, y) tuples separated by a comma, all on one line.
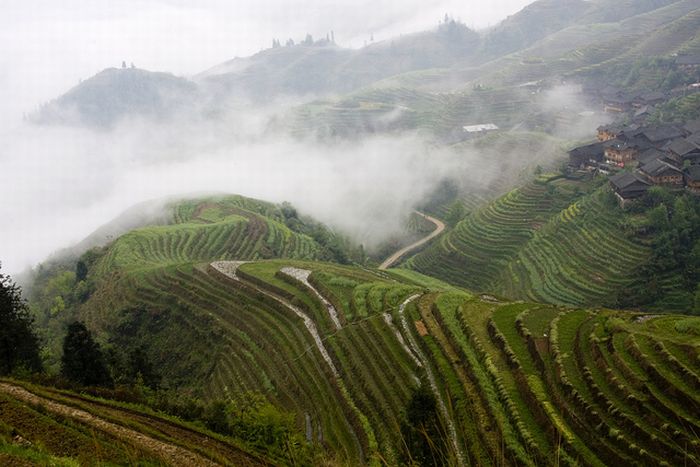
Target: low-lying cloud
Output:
[(58, 184)]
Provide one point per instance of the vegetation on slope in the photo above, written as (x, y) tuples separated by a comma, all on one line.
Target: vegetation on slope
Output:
[(567, 242)]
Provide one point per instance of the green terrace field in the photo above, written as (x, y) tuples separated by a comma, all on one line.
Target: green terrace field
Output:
[(343, 348), (379, 108), (44, 426), (553, 240), (216, 228)]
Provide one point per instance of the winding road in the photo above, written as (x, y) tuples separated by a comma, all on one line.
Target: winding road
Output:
[(439, 227)]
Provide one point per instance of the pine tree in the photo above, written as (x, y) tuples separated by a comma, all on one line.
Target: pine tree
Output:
[(83, 361)]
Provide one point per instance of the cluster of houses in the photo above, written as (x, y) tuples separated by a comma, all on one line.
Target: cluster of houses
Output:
[(667, 155)]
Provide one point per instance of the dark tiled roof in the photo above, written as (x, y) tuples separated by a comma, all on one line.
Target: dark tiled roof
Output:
[(682, 146), (657, 168), (692, 173), (626, 180), (694, 138), (650, 155), (660, 133), (592, 149), (693, 126), (642, 110)]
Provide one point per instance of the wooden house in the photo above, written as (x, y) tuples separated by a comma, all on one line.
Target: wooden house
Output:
[(617, 103), (658, 136), (650, 155), (589, 155), (643, 113), (628, 186), (662, 173), (681, 151), (650, 98), (621, 152), (608, 132), (692, 179)]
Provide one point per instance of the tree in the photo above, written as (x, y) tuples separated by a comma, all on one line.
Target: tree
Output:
[(81, 271), (19, 345), (141, 368), (83, 361)]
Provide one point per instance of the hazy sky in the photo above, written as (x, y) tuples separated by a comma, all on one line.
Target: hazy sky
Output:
[(47, 46), (59, 184)]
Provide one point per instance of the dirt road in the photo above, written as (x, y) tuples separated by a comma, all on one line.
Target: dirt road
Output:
[(439, 227)]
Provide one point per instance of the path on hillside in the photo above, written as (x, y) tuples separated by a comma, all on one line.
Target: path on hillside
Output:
[(228, 268), (439, 227), (431, 378), (302, 275), (171, 454)]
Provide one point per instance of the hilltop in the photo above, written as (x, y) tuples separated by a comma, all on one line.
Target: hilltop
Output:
[(117, 93)]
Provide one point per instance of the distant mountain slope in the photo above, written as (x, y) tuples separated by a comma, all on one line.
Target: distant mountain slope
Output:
[(532, 23), (114, 94), (325, 68), (545, 39)]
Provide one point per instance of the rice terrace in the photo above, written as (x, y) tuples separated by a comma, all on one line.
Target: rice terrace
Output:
[(471, 241)]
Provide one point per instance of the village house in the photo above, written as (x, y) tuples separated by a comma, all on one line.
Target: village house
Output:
[(608, 132), (692, 179), (628, 186), (589, 155), (643, 113), (621, 152), (681, 151), (651, 98), (650, 155), (617, 103), (662, 173), (658, 136)]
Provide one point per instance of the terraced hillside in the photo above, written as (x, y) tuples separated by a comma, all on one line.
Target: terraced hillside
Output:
[(442, 100), (392, 109), (345, 348), (209, 229), (553, 240), (44, 426), (515, 383)]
